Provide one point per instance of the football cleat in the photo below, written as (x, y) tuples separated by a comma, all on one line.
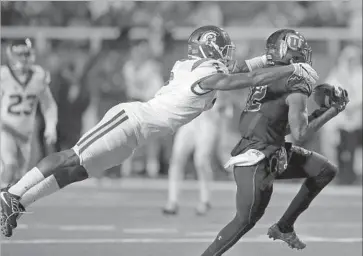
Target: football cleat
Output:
[(6, 229), (10, 212), (171, 209), (203, 208), (290, 238)]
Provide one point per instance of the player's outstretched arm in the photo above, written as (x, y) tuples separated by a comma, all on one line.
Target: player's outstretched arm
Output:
[(246, 66), (299, 124), (258, 77)]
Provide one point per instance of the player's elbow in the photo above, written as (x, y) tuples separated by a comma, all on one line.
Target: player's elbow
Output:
[(254, 78), (216, 82)]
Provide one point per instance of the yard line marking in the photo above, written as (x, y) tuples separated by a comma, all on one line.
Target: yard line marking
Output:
[(208, 230), (69, 227), (22, 226), (149, 231), (172, 240)]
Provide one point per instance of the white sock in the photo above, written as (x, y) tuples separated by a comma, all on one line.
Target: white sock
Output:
[(174, 184), (42, 189), (203, 190), (30, 179)]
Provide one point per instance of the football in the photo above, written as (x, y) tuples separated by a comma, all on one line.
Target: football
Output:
[(324, 95)]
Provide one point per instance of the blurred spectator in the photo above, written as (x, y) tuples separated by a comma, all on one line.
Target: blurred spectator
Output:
[(324, 13), (72, 96), (343, 135), (143, 77), (207, 13)]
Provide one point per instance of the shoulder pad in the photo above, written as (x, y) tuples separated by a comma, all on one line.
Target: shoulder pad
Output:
[(298, 84), (210, 63), (44, 74)]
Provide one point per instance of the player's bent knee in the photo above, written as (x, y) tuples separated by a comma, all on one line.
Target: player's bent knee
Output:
[(78, 173), (244, 223), (68, 176), (326, 175)]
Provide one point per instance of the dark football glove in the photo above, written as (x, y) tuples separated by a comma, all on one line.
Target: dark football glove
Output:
[(326, 96), (340, 99)]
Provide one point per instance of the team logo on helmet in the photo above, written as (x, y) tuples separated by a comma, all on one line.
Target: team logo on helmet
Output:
[(209, 37), (294, 42)]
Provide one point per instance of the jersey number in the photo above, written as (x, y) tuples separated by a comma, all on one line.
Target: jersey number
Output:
[(17, 99), (254, 100)]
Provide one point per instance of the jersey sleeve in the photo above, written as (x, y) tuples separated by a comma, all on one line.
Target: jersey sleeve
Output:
[(297, 84), (204, 68)]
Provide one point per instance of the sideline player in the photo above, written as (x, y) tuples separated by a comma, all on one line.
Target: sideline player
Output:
[(190, 91), (200, 138), (262, 154), (23, 86)]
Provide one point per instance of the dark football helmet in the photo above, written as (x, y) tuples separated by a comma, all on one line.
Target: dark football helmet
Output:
[(211, 42), (287, 45), (20, 54)]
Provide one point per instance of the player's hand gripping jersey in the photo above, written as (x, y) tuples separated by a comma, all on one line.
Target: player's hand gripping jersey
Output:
[(19, 99), (264, 121), (181, 99)]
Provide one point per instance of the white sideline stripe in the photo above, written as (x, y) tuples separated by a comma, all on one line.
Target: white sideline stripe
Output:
[(87, 228), (171, 240), (69, 227), (149, 231)]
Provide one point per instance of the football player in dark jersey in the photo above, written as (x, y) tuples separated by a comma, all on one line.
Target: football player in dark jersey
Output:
[(262, 155)]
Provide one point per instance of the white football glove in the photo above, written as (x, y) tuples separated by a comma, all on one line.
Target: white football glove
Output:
[(307, 72), (257, 62)]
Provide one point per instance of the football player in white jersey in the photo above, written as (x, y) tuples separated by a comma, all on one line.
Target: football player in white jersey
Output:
[(23, 86), (190, 91)]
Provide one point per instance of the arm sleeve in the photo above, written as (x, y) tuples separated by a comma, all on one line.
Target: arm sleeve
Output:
[(298, 85)]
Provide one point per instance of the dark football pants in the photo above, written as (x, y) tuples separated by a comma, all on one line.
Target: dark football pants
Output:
[(251, 200)]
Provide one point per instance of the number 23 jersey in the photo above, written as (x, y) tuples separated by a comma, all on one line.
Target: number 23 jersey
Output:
[(19, 99)]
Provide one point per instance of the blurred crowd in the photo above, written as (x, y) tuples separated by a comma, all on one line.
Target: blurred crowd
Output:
[(85, 85), (181, 13)]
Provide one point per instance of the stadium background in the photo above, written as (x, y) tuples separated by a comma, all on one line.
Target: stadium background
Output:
[(85, 46)]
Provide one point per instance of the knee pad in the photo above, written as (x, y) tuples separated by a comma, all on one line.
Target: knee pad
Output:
[(326, 175)]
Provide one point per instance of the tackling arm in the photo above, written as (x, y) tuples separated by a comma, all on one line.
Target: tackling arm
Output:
[(248, 65), (299, 124), (258, 77)]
